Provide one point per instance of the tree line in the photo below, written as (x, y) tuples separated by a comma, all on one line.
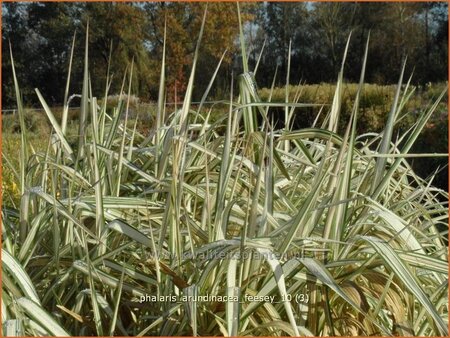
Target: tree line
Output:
[(314, 34)]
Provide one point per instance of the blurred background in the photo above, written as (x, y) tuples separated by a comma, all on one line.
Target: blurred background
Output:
[(41, 35)]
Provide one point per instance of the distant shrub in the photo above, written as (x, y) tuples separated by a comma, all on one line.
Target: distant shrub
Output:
[(35, 123), (375, 103)]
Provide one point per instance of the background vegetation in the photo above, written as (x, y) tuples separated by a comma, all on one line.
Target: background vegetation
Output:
[(41, 33)]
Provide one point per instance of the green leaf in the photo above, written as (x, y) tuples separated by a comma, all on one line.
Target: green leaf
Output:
[(42, 317), (402, 271), (128, 230), (20, 276)]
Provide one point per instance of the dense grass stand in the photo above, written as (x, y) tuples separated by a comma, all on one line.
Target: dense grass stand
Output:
[(229, 226)]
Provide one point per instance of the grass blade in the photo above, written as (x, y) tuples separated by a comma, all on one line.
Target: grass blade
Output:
[(404, 274), (37, 313)]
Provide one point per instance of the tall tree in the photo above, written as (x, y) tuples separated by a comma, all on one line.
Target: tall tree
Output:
[(15, 31), (284, 23), (119, 28), (333, 22), (435, 27), (52, 26), (183, 26)]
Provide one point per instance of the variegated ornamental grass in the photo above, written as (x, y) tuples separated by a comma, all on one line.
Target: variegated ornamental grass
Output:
[(337, 228)]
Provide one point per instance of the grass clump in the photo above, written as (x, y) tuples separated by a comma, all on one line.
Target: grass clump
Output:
[(375, 103), (336, 227)]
